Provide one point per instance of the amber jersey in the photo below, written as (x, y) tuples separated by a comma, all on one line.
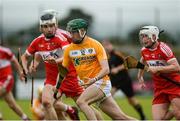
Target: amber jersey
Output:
[(86, 57), (6, 56), (159, 57)]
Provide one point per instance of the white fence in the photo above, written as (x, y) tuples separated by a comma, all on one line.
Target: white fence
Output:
[(23, 91)]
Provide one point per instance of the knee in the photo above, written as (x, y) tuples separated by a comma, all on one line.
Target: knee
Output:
[(80, 102), (11, 105), (177, 115), (46, 103)]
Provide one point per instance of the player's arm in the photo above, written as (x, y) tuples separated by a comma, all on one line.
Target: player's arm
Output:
[(51, 59), (33, 66), (141, 74), (25, 58), (102, 58), (173, 66), (18, 67), (172, 63), (104, 69), (120, 67), (63, 70)]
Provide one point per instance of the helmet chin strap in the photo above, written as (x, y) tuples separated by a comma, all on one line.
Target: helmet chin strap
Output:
[(49, 36), (150, 46), (82, 37)]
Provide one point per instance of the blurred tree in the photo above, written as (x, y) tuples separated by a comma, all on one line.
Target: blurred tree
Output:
[(24, 37), (73, 14)]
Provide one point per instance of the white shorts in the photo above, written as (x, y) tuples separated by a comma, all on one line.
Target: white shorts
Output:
[(105, 86)]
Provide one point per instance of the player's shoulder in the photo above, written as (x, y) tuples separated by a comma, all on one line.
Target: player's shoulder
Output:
[(63, 32), (165, 49), (39, 38), (143, 49), (93, 41), (163, 45), (5, 49)]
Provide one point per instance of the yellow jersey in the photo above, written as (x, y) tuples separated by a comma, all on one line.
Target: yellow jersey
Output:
[(86, 58)]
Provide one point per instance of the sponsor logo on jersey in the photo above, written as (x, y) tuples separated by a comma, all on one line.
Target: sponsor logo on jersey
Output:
[(157, 63), (87, 51)]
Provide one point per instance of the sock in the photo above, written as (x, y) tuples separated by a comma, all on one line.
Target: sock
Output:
[(70, 109), (1, 117), (24, 116), (138, 108), (66, 108)]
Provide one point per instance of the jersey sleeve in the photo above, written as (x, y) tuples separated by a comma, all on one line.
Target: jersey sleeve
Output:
[(32, 47), (63, 41), (64, 44), (66, 58), (166, 52), (120, 55), (101, 53), (9, 54)]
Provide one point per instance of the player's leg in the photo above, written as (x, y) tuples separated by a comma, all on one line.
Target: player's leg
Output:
[(90, 95), (115, 82), (160, 107), (110, 107), (161, 112), (60, 114), (70, 110), (48, 101), (96, 111), (113, 90), (127, 89), (8, 97), (137, 106), (1, 117), (176, 107)]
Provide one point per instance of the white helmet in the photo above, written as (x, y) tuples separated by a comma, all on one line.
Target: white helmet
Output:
[(48, 17), (51, 11), (150, 31)]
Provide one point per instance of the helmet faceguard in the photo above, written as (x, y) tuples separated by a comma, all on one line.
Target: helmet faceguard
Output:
[(149, 31), (78, 26), (48, 20)]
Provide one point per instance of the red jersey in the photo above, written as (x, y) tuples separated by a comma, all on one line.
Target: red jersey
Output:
[(6, 56), (159, 57), (49, 47)]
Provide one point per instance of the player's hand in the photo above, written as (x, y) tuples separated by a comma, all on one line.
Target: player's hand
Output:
[(2, 90), (142, 84), (89, 81), (32, 69), (22, 76), (80, 82), (51, 60), (57, 94), (114, 70), (153, 69)]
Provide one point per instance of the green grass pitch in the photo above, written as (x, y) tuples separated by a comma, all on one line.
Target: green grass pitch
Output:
[(122, 102)]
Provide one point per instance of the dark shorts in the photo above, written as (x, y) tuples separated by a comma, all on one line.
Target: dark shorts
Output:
[(124, 83)]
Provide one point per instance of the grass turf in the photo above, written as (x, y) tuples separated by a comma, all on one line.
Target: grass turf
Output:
[(8, 114)]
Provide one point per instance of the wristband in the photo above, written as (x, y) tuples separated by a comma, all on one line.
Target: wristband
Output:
[(96, 78)]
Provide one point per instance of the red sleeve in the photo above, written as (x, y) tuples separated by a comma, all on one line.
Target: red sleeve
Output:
[(166, 51), (32, 48), (68, 37), (9, 54)]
